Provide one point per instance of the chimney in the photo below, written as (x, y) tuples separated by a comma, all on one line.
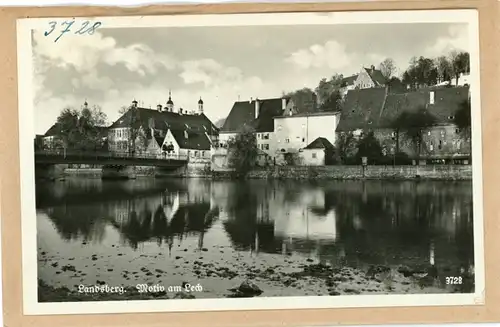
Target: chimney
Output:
[(180, 111), (431, 97), (250, 101), (257, 108), (159, 107), (373, 68), (283, 104)]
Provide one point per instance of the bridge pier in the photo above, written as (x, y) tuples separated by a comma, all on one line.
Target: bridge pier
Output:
[(118, 172), (50, 172)]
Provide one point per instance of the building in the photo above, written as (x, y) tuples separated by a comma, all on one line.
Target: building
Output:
[(318, 153), (377, 109), (258, 115), (365, 79), (49, 139), (296, 131), (165, 131)]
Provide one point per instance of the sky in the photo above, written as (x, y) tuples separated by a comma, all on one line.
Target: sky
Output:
[(220, 64)]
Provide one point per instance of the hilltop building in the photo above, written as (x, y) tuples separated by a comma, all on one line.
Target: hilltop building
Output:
[(365, 79)]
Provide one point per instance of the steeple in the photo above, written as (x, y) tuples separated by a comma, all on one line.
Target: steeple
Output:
[(170, 103), (200, 106)]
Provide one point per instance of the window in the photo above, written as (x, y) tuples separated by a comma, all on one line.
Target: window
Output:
[(440, 146), (258, 135), (429, 133), (265, 136), (303, 139), (196, 153), (265, 146), (287, 140), (188, 153), (314, 155), (431, 147)]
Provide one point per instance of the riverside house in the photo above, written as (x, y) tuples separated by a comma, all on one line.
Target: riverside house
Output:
[(163, 132), (377, 109), (258, 115)]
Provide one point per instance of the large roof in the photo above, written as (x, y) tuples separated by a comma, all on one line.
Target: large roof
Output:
[(164, 120), (243, 114), (194, 140), (374, 108)]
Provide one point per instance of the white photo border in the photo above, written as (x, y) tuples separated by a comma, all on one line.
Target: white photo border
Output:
[(27, 179)]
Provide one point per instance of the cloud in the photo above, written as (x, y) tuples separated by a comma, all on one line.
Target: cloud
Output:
[(83, 53), (209, 72), (456, 40), (332, 54)]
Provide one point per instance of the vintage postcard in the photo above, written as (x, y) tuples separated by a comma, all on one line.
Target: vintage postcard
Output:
[(250, 161)]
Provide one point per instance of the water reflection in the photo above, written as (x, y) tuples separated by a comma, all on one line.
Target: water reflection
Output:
[(350, 223)]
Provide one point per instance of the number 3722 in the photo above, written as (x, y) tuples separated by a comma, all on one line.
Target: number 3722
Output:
[(67, 26), (453, 280)]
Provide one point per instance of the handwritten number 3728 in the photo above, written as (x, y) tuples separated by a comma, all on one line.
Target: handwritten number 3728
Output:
[(67, 27)]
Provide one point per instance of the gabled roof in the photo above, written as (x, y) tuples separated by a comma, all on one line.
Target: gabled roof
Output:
[(243, 114), (373, 108), (376, 76), (349, 80), (53, 130), (320, 143), (194, 140), (164, 120)]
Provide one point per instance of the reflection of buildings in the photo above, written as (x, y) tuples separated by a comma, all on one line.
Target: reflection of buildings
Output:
[(370, 222)]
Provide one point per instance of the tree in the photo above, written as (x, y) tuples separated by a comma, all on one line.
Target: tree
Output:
[(387, 68), (81, 129), (327, 87), (345, 146), (242, 152), (463, 121), (368, 146), (413, 125), (333, 103), (137, 140), (444, 69), (460, 64), (304, 100)]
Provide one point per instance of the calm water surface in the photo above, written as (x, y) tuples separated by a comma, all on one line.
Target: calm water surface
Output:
[(146, 230)]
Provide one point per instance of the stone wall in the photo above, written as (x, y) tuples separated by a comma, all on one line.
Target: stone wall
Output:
[(434, 172)]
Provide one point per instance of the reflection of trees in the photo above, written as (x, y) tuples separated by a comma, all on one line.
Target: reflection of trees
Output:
[(249, 224), (399, 220), (147, 224), (78, 222)]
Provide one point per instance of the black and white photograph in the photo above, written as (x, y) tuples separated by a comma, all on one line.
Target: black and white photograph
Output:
[(250, 161)]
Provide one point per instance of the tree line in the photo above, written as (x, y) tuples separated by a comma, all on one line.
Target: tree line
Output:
[(421, 72), (80, 129)]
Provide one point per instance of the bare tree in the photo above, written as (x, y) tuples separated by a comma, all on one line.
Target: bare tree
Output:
[(387, 68)]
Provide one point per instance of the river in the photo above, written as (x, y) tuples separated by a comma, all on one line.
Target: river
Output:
[(287, 237)]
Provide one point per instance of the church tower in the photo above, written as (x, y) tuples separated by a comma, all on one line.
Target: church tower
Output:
[(200, 106), (170, 103)]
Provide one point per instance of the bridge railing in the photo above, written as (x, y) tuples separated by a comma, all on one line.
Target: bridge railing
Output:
[(108, 155)]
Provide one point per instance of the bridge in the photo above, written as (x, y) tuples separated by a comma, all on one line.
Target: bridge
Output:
[(61, 156)]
